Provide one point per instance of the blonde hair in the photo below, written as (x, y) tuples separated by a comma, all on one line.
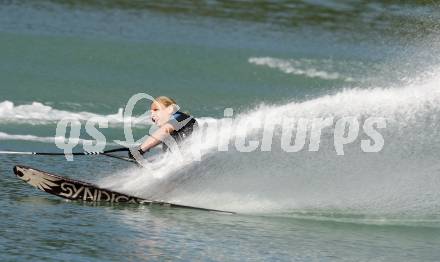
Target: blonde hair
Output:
[(165, 101)]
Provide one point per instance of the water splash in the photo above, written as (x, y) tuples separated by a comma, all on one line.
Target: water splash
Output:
[(38, 113), (401, 180)]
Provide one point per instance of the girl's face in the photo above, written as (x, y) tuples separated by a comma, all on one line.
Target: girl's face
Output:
[(160, 114)]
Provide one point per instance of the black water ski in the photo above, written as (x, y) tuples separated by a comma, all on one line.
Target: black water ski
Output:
[(77, 190)]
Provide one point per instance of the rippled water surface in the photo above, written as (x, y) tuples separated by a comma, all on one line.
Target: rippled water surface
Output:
[(302, 59)]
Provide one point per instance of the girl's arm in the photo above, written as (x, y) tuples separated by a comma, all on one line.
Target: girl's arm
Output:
[(157, 137)]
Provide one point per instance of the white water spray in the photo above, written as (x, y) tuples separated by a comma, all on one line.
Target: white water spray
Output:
[(402, 178)]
